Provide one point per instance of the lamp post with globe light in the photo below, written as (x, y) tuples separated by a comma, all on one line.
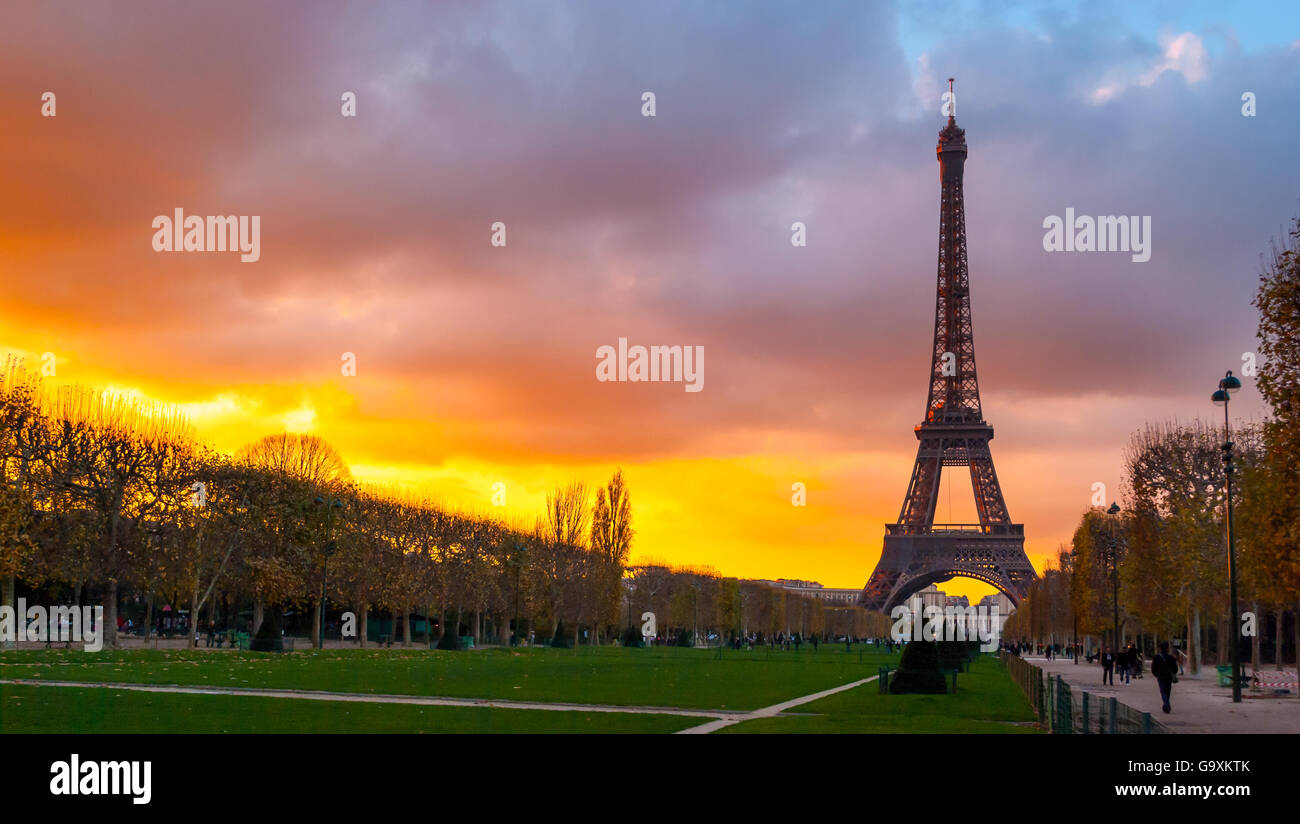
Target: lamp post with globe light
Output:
[(1113, 557), (1228, 386)]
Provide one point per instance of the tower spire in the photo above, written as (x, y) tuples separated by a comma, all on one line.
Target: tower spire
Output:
[(952, 105)]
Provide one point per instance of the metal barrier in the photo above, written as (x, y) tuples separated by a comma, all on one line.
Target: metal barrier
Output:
[(1063, 709)]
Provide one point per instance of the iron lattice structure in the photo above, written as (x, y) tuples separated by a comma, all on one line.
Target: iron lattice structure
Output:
[(918, 552)]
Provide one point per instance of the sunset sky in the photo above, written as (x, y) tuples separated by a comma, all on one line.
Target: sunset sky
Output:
[(476, 364)]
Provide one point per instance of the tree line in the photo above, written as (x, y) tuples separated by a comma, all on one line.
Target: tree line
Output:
[(112, 499), (1165, 551)]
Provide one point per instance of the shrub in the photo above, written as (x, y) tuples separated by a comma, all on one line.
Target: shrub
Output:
[(919, 670), (957, 654)]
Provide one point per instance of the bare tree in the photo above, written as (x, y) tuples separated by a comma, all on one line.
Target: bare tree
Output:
[(306, 457)]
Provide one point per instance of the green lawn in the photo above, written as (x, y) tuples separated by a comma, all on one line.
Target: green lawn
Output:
[(65, 710), (986, 701), (659, 676)]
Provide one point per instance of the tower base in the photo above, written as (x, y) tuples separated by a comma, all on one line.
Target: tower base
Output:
[(915, 558)]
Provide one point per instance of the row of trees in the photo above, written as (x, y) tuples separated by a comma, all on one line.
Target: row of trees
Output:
[(1163, 559), (1166, 551), (694, 602), (100, 493), (105, 497)]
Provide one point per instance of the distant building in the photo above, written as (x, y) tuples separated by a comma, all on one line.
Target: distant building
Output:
[(932, 596), (812, 589), (1002, 602)]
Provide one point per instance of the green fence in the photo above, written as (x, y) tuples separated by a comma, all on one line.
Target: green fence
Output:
[(1063, 709)]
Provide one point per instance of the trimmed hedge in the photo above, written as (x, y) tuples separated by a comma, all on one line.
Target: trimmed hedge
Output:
[(919, 670)]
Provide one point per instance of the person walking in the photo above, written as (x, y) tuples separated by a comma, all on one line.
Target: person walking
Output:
[(1107, 667), (1164, 667), (1122, 662), (1135, 660)]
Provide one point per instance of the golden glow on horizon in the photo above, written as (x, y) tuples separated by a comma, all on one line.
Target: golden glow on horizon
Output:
[(731, 513), (300, 421)]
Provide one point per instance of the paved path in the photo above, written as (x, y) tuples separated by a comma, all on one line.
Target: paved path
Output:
[(720, 718), (1199, 704), (775, 709)]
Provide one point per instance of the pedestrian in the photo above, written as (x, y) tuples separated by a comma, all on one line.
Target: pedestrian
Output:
[(1107, 667), (1135, 661), (1164, 667)]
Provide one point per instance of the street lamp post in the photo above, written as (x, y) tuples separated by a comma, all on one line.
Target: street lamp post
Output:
[(1074, 570), (1114, 570), (1227, 386), (330, 547)]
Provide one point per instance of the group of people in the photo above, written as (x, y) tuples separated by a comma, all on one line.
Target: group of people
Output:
[(1048, 651), (1016, 648), (1128, 662), (1165, 668), (1053, 651)]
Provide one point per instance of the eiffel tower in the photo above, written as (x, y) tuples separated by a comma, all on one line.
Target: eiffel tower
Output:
[(918, 552)]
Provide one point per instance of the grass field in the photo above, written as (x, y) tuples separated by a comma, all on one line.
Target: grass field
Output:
[(62, 710), (986, 701), (658, 677)]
